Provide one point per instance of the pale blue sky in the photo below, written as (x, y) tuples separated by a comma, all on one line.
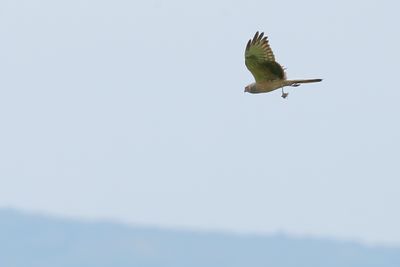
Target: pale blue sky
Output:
[(134, 111)]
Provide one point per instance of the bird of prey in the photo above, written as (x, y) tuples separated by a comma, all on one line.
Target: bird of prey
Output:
[(268, 74)]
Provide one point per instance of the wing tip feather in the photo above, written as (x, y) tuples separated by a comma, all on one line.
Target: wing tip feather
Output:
[(261, 41)]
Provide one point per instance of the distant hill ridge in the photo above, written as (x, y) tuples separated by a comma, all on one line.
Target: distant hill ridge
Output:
[(39, 241)]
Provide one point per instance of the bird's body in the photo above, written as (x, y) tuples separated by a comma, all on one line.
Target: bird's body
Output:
[(268, 86), (269, 75)]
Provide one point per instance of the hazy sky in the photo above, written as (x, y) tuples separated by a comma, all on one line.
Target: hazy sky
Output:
[(135, 111)]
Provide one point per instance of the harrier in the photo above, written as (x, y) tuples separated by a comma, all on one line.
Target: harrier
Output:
[(268, 73)]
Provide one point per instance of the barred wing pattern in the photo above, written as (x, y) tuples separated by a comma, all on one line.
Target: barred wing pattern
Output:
[(260, 60)]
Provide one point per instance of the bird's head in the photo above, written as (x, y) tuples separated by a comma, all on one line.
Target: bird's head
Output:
[(250, 88)]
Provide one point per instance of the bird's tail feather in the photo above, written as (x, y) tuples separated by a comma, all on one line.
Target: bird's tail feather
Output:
[(297, 82)]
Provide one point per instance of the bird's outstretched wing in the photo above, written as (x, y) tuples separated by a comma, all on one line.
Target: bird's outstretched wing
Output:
[(260, 60)]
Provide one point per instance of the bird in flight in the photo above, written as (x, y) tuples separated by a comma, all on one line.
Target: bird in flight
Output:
[(268, 74)]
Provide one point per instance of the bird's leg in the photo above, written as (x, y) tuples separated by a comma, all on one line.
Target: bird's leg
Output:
[(284, 95)]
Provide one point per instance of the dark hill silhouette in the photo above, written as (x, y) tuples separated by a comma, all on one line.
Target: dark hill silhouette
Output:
[(41, 241)]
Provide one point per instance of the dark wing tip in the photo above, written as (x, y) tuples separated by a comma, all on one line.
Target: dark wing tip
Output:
[(248, 45), (265, 39), (255, 38), (258, 39)]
